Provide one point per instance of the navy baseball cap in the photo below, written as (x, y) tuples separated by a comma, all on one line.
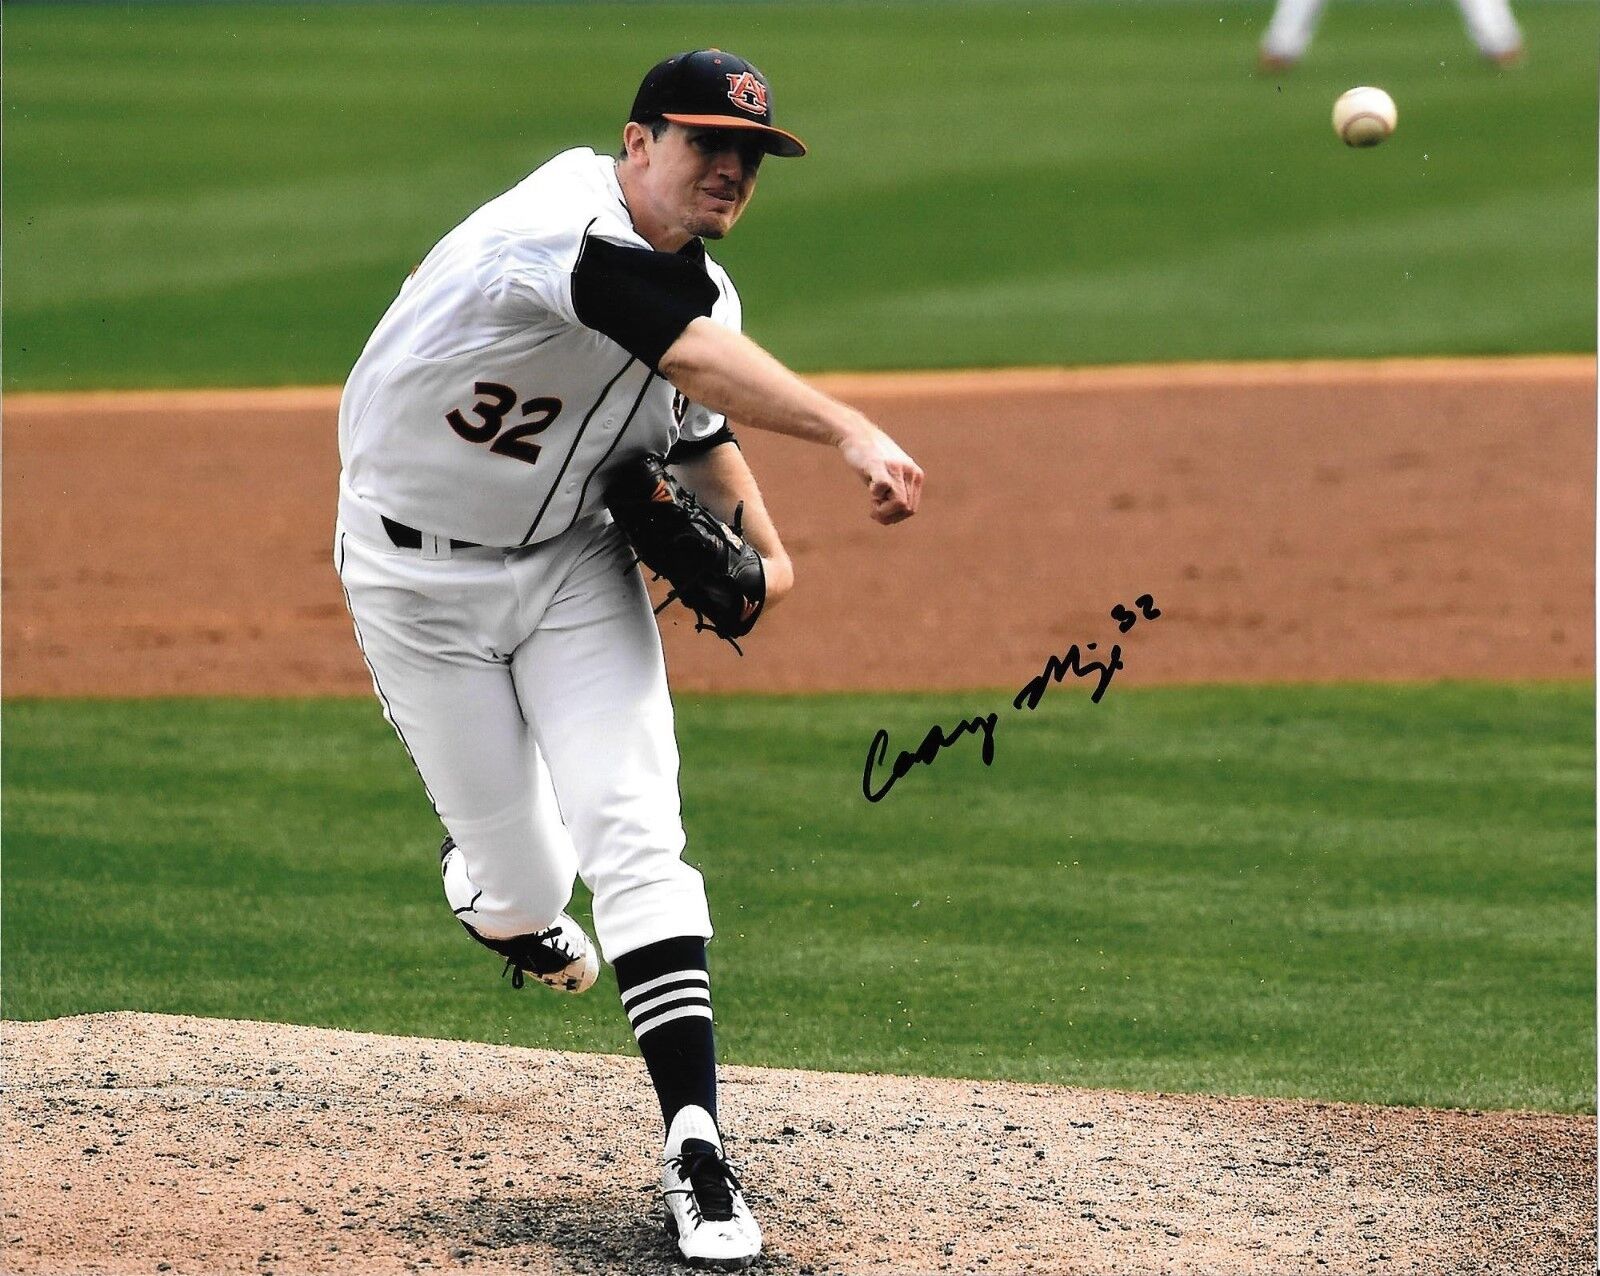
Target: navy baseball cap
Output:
[(712, 89)]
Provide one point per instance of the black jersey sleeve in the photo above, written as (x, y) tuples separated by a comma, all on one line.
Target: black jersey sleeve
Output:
[(689, 449), (641, 299)]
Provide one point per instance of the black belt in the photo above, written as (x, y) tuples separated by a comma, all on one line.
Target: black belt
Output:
[(410, 538)]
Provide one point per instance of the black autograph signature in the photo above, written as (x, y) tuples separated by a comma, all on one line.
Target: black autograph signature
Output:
[(1056, 668)]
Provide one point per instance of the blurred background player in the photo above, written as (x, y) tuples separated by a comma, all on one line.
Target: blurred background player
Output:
[(1489, 22)]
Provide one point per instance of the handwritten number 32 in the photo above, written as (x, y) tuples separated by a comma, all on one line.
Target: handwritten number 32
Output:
[(496, 403), (1126, 619)]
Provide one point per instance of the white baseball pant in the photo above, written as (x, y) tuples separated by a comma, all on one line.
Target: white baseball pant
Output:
[(1489, 22), (529, 687)]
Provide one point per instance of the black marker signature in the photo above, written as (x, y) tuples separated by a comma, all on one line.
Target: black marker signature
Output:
[(1057, 667), (1033, 691), (926, 752)]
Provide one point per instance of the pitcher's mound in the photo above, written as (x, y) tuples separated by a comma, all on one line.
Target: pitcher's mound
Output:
[(146, 1143)]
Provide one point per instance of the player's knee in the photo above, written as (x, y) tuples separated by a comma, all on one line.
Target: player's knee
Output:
[(494, 909)]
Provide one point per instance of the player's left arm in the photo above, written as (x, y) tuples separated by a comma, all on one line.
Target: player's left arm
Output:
[(720, 478)]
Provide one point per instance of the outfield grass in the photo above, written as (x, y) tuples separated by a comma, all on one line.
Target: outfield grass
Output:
[(230, 195), (1358, 893)]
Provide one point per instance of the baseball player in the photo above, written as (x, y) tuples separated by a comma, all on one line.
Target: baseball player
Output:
[(1294, 22), (560, 335)]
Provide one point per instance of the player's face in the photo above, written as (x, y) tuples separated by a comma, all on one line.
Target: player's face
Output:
[(703, 178)]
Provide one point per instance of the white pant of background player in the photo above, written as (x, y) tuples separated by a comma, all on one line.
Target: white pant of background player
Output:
[(1294, 22), (528, 685)]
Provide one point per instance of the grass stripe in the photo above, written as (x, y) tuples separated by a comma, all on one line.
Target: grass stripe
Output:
[(1366, 893)]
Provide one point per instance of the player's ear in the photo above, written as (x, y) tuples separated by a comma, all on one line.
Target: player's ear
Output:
[(635, 137)]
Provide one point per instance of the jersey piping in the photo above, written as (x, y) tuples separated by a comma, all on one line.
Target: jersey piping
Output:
[(577, 438), (600, 464)]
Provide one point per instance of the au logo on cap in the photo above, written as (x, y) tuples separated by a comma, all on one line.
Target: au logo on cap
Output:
[(747, 93)]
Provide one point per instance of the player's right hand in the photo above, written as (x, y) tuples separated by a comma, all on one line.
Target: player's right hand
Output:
[(894, 480)]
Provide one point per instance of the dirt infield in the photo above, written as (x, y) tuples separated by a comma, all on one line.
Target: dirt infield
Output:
[(1419, 519), (145, 1143)]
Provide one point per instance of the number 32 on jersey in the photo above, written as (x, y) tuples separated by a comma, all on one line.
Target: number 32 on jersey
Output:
[(495, 404)]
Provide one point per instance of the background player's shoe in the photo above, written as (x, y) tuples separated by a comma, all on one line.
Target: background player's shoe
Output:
[(705, 1206), (561, 956)]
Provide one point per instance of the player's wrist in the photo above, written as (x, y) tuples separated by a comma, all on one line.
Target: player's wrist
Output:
[(779, 572), (852, 431)]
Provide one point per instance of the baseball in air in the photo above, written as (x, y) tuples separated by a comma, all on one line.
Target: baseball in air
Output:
[(1364, 116)]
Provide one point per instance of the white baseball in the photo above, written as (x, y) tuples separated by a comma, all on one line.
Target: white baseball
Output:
[(1364, 116)]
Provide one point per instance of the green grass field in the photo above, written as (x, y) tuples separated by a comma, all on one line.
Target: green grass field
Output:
[(1372, 893), (1355, 893), (230, 195)]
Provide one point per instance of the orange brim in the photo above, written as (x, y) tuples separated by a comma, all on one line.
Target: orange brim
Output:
[(776, 141)]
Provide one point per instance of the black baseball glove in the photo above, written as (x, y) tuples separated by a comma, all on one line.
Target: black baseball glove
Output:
[(712, 569)]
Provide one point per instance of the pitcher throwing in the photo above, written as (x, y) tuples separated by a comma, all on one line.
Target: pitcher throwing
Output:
[(547, 348)]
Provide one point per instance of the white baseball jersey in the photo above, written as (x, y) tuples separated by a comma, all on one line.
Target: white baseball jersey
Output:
[(482, 408)]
